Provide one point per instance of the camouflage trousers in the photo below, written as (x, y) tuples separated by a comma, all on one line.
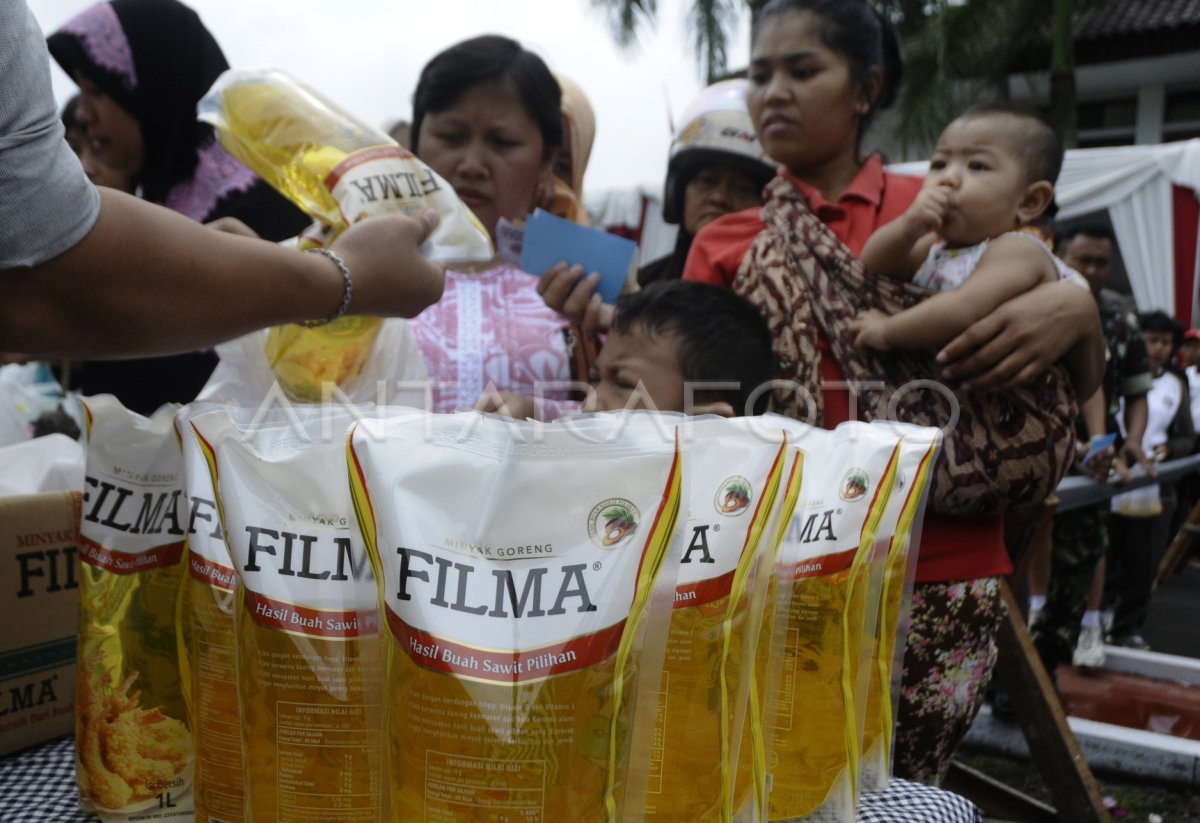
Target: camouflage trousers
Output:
[(1080, 539)]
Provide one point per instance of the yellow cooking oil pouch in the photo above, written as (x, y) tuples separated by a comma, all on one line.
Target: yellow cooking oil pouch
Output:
[(207, 652), (338, 170), (734, 482), (900, 536), (306, 616), (816, 681), (526, 574), (133, 750), (749, 767)]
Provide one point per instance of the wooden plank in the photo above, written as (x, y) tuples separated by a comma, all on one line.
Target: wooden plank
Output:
[(996, 800), (1178, 551), (1051, 743), (1155, 665), (1130, 753)]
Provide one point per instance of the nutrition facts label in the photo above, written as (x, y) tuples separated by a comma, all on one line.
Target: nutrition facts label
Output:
[(659, 746), (219, 735), (780, 704), (458, 786), (328, 764)]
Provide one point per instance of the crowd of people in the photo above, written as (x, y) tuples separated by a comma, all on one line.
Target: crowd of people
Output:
[(776, 198)]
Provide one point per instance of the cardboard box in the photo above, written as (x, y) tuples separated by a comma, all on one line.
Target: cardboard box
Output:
[(39, 601)]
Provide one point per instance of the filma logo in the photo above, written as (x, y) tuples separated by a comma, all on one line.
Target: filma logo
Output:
[(854, 485), (613, 522), (733, 496)]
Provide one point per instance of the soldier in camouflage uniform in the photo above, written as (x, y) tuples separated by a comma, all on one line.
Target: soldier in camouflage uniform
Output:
[(1080, 536)]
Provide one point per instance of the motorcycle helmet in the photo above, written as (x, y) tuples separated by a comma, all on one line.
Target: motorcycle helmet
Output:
[(715, 128)]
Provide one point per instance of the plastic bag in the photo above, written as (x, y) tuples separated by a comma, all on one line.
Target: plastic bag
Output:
[(306, 620), (734, 483), (26, 390), (899, 530), (393, 374), (817, 683), (207, 651), (44, 464), (526, 573), (133, 748), (1145, 501), (338, 170)]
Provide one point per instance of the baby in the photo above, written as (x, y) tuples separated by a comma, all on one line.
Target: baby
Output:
[(967, 235)]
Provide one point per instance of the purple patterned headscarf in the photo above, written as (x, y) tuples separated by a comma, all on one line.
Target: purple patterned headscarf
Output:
[(156, 59), (100, 33)]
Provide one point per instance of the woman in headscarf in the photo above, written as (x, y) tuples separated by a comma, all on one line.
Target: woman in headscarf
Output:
[(141, 67), (565, 197), (717, 167)]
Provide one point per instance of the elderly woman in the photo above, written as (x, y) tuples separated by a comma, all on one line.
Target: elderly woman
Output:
[(487, 118)]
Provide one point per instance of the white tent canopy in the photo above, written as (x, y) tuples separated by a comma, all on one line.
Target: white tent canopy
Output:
[(1134, 185)]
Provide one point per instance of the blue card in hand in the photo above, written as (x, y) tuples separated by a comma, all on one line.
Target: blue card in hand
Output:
[(550, 240)]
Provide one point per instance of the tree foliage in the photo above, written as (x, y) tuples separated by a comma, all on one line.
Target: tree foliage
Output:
[(956, 52)]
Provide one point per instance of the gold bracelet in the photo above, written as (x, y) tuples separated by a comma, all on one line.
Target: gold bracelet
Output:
[(347, 289)]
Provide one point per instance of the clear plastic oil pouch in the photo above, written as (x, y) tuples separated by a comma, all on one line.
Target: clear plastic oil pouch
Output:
[(526, 573), (338, 170), (899, 537), (134, 758), (306, 619), (816, 684), (735, 477)]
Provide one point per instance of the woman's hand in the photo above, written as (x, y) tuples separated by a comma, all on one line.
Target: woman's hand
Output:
[(390, 275), (1025, 336), (508, 403), (1100, 466), (565, 290), (231, 225)]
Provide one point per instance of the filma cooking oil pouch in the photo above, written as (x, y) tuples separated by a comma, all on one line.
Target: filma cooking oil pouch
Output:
[(526, 574), (338, 170), (899, 536), (816, 683), (749, 768), (207, 651), (733, 489), (133, 749), (306, 619)]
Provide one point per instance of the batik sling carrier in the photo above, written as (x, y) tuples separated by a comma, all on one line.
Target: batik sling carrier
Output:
[(1006, 449)]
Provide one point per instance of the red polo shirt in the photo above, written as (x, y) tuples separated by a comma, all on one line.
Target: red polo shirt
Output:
[(951, 548)]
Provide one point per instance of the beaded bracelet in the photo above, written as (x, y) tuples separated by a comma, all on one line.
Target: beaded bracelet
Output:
[(347, 289)]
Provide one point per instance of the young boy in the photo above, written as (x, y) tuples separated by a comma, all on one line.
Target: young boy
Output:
[(684, 347), (966, 235)]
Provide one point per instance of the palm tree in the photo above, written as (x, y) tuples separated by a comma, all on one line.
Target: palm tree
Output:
[(965, 52), (956, 51), (709, 23)]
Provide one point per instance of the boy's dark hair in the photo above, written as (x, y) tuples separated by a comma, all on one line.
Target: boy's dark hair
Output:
[(490, 59), (1160, 321), (1041, 151), (722, 337), (1089, 228)]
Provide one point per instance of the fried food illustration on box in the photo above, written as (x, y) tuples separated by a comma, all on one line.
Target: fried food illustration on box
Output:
[(129, 754)]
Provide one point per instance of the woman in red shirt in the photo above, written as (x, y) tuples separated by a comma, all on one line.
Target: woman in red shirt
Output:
[(819, 70)]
